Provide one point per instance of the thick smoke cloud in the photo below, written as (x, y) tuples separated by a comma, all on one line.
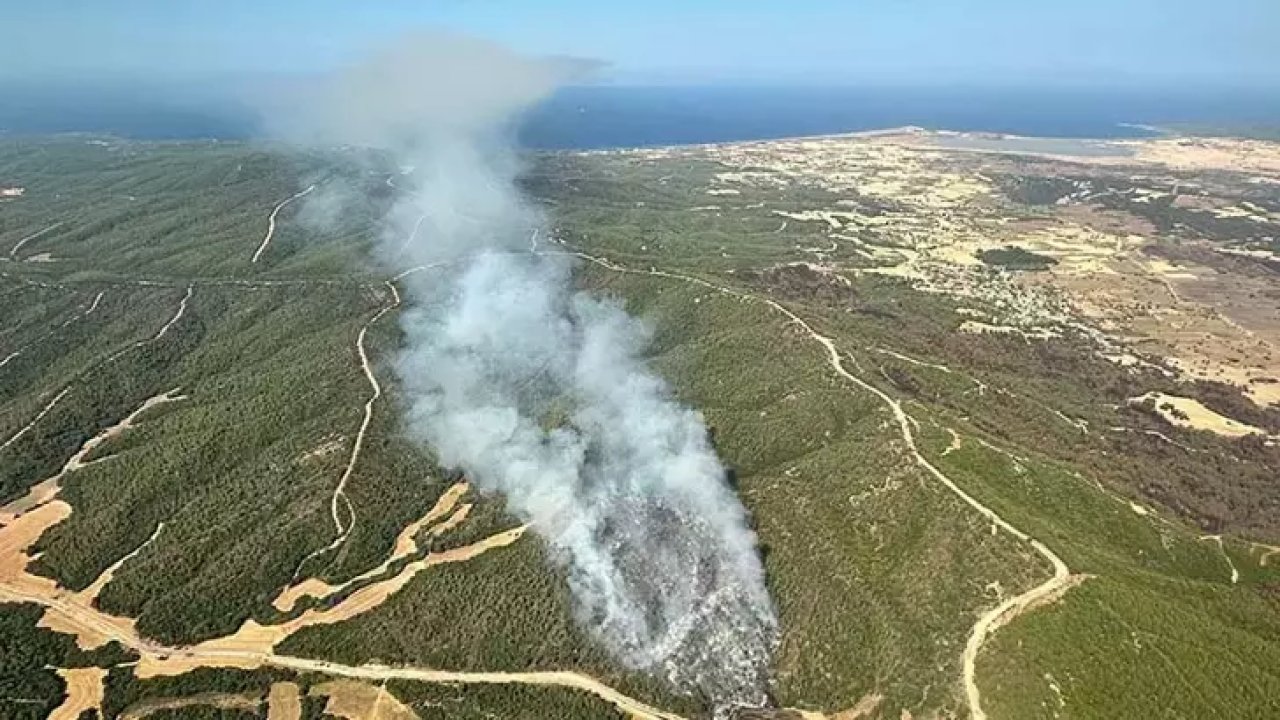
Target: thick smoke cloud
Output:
[(538, 391)]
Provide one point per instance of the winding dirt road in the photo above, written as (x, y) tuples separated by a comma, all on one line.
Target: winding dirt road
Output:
[(93, 306), (271, 221), (13, 253), (251, 646), (343, 530), (406, 544), (182, 308), (1231, 565), (74, 612), (43, 411), (164, 329)]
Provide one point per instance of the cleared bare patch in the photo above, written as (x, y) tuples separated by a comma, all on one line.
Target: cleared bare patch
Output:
[(284, 702), (84, 692), (1188, 413), (324, 449), (354, 700), (406, 545)]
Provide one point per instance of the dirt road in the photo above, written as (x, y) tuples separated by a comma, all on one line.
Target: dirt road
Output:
[(271, 222), (43, 411), (343, 530), (13, 253), (182, 309)]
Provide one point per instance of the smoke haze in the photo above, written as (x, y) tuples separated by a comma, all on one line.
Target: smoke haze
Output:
[(539, 391)]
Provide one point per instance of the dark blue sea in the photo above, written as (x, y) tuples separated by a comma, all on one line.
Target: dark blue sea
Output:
[(613, 116)]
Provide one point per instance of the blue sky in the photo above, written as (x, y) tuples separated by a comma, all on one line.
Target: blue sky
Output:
[(1176, 42)]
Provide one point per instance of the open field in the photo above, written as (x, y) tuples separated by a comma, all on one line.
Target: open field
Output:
[(1005, 425)]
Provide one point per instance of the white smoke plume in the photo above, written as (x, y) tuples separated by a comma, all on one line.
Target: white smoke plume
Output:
[(539, 391)]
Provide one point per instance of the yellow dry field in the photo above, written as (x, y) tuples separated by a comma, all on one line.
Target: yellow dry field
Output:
[(1254, 156), (1196, 321), (284, 702), (1204, 325), (84, 692), (406, 544), (354, 700), (1188, 413)]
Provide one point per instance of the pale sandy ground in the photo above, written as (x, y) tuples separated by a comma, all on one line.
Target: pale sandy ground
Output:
[(323, 449), (49, 488), (25, 520), (1192, 321), (355, 700), (28, 517), (284, 702), (1196, 416), (251, 647), (406, 544), (1256, 156), (74, 613), (84, 692)]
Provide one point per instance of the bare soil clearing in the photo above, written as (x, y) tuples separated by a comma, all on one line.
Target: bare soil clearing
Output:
[(1188, 413), (355, 700), (405, 546), (864, 708), (945, 208), (284, 702), (84, 692), (47, 489), (251, 646)]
